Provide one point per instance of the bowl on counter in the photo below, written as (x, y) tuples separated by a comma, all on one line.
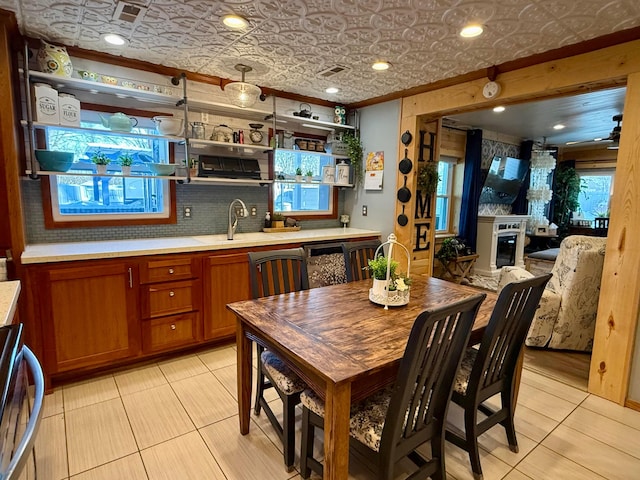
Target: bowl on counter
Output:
[(162, 168), (51, 161)]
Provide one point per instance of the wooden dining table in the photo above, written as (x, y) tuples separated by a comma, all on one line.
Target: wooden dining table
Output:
[(343, 345)]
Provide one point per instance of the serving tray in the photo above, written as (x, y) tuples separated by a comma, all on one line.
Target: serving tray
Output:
[(281, 229)]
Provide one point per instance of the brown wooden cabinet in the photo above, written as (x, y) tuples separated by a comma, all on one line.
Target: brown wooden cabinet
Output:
[(171, 294), (226, 280), (90, 314)]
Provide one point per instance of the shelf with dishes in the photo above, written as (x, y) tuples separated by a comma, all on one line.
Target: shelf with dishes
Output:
[(312, 182), (309, 122), (242, 148), (76, 85), (312, 152), (109, 132)]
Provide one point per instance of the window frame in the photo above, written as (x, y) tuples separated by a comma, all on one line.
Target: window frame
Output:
[(331, 213), (48, 190), (451, 161), (597, 172)]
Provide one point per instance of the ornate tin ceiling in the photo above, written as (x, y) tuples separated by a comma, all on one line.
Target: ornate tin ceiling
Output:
[(289, 42)]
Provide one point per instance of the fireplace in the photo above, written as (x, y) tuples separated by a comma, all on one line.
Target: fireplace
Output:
[(500, 242)]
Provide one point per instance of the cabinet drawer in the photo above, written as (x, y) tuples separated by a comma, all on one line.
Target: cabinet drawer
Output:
[(170, 298), (168, 269), (169, 332)]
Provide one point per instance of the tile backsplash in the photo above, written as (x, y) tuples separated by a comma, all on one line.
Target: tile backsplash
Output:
[(209, 206)]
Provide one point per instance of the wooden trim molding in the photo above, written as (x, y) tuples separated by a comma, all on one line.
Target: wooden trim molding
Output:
[(51, 223), (633, 405)]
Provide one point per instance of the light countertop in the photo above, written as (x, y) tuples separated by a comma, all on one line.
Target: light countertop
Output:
[(9, 292), (62, 252)]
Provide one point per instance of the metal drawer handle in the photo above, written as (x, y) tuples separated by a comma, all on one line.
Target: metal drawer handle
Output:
[(172, 293), (171, 271), (173, 326)]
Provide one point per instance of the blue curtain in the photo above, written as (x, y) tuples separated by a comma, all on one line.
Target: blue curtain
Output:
[(521, 205), (471, 188)]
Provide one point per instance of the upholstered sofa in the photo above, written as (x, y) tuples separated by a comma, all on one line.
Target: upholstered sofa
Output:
[(567, 313)]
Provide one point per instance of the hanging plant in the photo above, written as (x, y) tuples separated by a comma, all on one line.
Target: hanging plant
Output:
[(428, 178), (354, 151)]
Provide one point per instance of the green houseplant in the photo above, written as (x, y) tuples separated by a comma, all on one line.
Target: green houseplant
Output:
[(428, 178), (126, 161), (277, 220), (309, 175), (566, 189), (101, 161), (449, 249), (378, 268), (355, 151)]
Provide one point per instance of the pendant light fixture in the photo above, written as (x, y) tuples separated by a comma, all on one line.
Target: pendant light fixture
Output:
[(242, 94)]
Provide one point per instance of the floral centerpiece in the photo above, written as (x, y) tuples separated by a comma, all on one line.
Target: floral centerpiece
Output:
[(391, 285)]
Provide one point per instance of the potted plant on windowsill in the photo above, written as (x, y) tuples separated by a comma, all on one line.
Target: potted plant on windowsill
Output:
[(277, 220), (298, 174), (126, 161), (309, 176), (101, 161)]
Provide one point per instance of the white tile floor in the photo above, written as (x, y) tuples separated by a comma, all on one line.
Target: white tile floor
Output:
[(177, 420)]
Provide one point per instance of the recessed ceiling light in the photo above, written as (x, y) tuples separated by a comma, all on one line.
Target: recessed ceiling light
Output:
[(235, 21), (471, 31), (114, 39), (332, 90), (558, 126), (381, 65), (499, 109)]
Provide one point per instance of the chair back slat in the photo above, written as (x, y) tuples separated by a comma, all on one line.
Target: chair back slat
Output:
[(422, 390), (356, 258), (278, 271), (501, 344)]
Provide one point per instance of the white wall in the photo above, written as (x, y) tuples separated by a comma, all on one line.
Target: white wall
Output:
[(379, 131)]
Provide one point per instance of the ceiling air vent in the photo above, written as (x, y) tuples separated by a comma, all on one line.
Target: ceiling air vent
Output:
[(129, 12), (331, 71)]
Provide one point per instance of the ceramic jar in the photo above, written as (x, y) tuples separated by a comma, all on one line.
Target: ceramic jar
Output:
[(55, 60)]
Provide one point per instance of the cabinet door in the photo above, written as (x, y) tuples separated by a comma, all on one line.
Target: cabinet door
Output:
[(226, 280), (92, 318)]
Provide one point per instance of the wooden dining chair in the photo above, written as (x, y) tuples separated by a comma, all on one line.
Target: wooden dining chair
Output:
[(275, 272), (394, 422), (356, 258), (491, 368)]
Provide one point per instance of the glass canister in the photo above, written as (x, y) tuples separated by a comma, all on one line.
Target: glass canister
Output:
[(197, 130), (342, 173)]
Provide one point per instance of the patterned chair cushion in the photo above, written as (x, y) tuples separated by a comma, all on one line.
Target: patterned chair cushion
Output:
[(284, 378), (464, 372), (367, 417), (324, 270)]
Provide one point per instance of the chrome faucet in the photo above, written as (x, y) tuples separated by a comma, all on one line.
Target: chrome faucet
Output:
[(233, 224)]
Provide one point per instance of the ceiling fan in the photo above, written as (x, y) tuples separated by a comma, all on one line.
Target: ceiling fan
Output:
[(613, 137)]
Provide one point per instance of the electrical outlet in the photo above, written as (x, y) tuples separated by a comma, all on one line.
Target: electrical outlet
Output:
[(254, 210), (204, 117), (186, 212), (364, 210), (239, 212)]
